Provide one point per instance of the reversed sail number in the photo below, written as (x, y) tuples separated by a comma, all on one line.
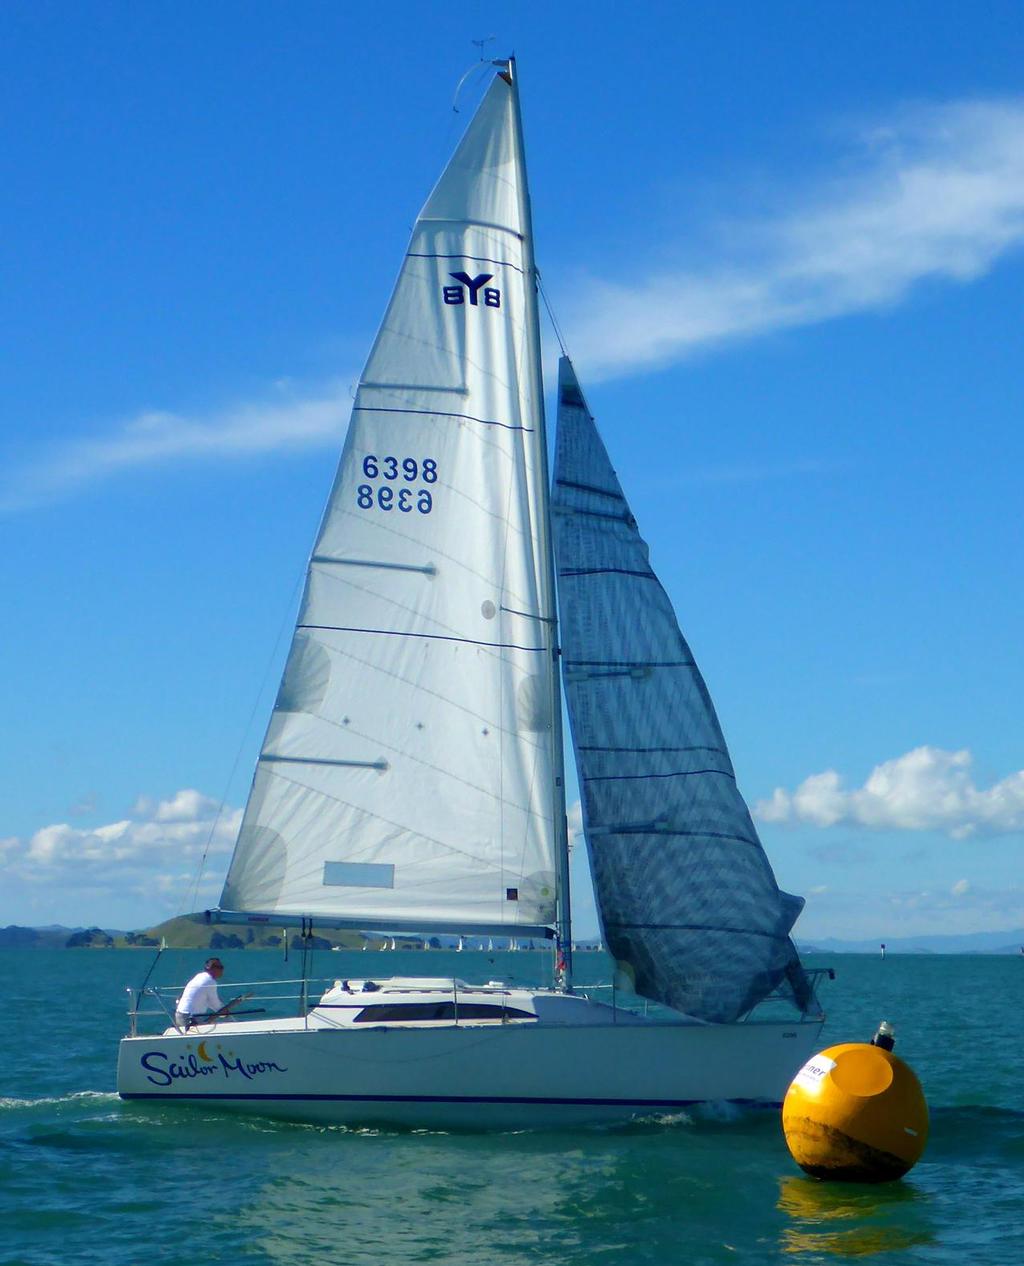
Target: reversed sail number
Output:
[(404, 470)]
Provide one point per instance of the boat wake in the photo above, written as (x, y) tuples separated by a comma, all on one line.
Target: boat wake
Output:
[(92, 1097), (663, 1119)]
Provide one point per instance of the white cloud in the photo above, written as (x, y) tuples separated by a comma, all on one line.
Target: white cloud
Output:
[(155, 852), (926, 789), (887, 914), (186, 806), (956, 910), (83, 806), (246, 429), (938, 195)]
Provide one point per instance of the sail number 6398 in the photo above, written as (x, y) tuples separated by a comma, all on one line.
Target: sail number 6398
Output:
[(404, 471)]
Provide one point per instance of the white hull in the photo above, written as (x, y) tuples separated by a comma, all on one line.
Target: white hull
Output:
[(412, 779), (465, 1075)]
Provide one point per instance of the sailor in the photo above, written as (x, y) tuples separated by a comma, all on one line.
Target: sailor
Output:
[(200, 997)]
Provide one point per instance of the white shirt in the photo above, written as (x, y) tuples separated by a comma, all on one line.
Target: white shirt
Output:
[(199, 995)]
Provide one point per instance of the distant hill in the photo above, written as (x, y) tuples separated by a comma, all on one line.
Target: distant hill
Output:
[(15, 937), (961, 943), (184, 933), (58, 937)]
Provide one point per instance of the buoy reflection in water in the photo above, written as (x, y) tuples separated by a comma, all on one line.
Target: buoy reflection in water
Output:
[(850, 1220)]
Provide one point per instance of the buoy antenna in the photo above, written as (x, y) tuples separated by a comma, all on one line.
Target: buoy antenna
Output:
[(885, 1038)]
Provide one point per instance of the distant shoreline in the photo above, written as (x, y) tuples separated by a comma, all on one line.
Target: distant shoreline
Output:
[(186, 933)]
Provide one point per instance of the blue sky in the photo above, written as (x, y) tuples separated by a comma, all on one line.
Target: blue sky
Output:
[(784, 244)]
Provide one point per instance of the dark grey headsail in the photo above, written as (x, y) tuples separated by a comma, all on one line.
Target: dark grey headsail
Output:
[(689, 905)]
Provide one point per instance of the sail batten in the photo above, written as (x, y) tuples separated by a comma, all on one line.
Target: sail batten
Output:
[(434, 637), (462, 224), (413, 732), (426, 569), (435, 413), (689, 906)]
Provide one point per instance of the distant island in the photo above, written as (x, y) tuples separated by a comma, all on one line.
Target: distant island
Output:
[(937, 943), (185, 933), (180, 933)]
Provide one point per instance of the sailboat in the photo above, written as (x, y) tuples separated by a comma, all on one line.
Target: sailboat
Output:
[(411, 778)]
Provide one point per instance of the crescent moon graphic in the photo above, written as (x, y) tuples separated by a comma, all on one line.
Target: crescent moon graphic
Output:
[(201, 1050)]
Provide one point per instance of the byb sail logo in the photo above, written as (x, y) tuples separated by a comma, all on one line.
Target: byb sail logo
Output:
[(472, 286)]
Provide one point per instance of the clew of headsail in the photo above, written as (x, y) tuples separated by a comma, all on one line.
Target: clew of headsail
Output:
[(411, 777)]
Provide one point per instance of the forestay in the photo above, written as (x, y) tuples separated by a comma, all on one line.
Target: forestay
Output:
[(688, 902), (408, 773)]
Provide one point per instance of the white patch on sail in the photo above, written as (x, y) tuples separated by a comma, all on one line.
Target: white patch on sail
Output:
[(359, 875)]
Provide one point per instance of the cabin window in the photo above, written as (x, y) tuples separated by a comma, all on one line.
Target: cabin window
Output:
[(384, 1013), (487, 1011)]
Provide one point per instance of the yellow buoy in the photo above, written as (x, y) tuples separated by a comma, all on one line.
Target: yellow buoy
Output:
[(856, 1113)]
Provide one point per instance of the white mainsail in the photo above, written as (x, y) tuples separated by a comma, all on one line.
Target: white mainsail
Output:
[(411, 773)]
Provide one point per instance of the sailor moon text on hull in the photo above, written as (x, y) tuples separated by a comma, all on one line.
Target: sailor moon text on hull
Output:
[(411, 777)]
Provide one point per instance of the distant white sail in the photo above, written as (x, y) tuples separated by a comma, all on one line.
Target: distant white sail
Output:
[(409, 774), (689, 905)]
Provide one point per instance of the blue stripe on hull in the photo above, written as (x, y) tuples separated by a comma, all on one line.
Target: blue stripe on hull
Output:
[(569, 1103)]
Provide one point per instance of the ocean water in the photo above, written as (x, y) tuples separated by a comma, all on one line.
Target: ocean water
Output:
[(85, 1178)]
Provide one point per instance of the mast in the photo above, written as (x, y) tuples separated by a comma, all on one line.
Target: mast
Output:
[(547, 570)]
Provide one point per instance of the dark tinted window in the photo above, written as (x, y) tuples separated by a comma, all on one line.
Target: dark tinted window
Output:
[(486, 1011), (405, 1011), (384, 1013)]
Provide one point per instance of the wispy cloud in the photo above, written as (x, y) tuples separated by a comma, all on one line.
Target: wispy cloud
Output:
[(885, 915), (962, 907), (926, 789), (936, 193), (848, 854), (153, 853), (286, 422)]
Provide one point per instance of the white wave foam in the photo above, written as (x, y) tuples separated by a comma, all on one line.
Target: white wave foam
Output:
[(98, 1096)]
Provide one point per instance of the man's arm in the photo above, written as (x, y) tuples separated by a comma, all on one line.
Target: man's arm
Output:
[(226, 1008)]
